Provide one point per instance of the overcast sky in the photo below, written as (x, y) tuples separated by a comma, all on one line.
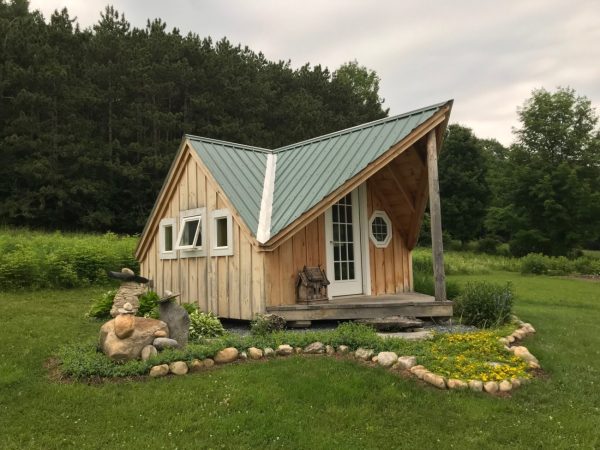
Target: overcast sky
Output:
[(487, 55)]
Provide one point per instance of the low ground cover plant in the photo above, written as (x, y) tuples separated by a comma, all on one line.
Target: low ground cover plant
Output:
[(266, 323), (465, 355)]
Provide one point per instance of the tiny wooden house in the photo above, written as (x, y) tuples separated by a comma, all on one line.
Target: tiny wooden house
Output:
[(234, 225)]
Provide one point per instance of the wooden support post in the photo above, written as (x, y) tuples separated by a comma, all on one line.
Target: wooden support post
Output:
[(435, 211)]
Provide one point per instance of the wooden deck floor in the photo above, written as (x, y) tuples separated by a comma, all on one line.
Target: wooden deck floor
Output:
[(366, 307)]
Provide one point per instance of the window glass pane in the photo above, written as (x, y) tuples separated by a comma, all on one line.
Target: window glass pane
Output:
[(168, 244), (221, 229), (344, 271), (337, 271), (351, 270), (379, 229), (189, 232)]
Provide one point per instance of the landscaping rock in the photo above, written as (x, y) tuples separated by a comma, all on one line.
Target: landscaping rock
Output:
[(315, 348), (491, 387), (208, 362), (124, 325), (374, 359), (364, 354), (159, 371), (523, 353), (298, 350), (255, 353), (413, 369), (516, 383), (510, 339), (503, 341), (284, 350), (343, 349), (534, 365), (518, 335), (164, 343), (329, 350), (243, 356), (529, 328), (196, 365), (148, 352), (131, 347), (226, 355), (178, 320), (161, 333), (475, 385), (505, 386), (178, 368), (435, 380), (393, 323), (268, 352), (455, 384), (387, 359), (406, 362)]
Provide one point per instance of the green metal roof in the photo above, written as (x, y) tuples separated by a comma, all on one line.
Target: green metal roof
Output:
[(305, 172), (239, 170)]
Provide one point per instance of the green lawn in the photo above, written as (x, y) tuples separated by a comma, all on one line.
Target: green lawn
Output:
[(301, 402)]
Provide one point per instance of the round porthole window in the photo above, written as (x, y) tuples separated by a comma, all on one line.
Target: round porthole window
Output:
[(380, 229)]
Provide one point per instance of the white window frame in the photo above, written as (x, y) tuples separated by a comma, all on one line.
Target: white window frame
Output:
[(226, 250), (187, 216), (168, 222), (383, 215)]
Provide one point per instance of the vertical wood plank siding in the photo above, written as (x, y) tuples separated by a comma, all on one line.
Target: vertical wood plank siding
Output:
[(230, 286)]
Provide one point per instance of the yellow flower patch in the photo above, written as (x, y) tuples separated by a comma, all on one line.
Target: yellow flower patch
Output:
[(472, 356)]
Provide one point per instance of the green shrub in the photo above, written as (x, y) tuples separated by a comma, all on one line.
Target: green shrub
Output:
[(534, 263), (266, 323), (148, 305), (35, 260), (484, 304), (101, 305), (487, 245), (190, 307), (205, 325)]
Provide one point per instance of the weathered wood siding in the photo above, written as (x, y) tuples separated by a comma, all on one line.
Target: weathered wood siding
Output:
[(229, 286), (305, 248), (391, 267)]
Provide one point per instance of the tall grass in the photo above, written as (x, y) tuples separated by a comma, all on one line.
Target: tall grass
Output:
[(35, 259), (465, 263)]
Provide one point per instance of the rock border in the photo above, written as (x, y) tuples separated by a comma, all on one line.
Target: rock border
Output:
[(385, 359)]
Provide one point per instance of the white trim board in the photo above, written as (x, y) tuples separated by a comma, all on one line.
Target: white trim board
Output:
[(266, 205)]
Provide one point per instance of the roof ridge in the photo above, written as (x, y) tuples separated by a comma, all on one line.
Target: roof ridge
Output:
[(357, 127), (228, 144)]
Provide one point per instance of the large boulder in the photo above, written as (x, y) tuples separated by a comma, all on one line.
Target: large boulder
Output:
[(124, 325), (178, 320), (131, 347)]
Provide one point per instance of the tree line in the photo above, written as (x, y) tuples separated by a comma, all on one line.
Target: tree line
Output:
[(539, 195), (90, 120)]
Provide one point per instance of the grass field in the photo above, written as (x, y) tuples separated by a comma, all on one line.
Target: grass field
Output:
[(301, 402)]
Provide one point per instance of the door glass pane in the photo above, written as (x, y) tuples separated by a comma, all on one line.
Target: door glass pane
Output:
[(343, 239)]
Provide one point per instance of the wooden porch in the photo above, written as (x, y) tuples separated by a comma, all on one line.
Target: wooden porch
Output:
[(366, 307)]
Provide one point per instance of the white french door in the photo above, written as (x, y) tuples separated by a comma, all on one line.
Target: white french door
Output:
[(342, 238)]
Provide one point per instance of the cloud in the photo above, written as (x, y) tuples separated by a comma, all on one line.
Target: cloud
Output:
[(486, 55)]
